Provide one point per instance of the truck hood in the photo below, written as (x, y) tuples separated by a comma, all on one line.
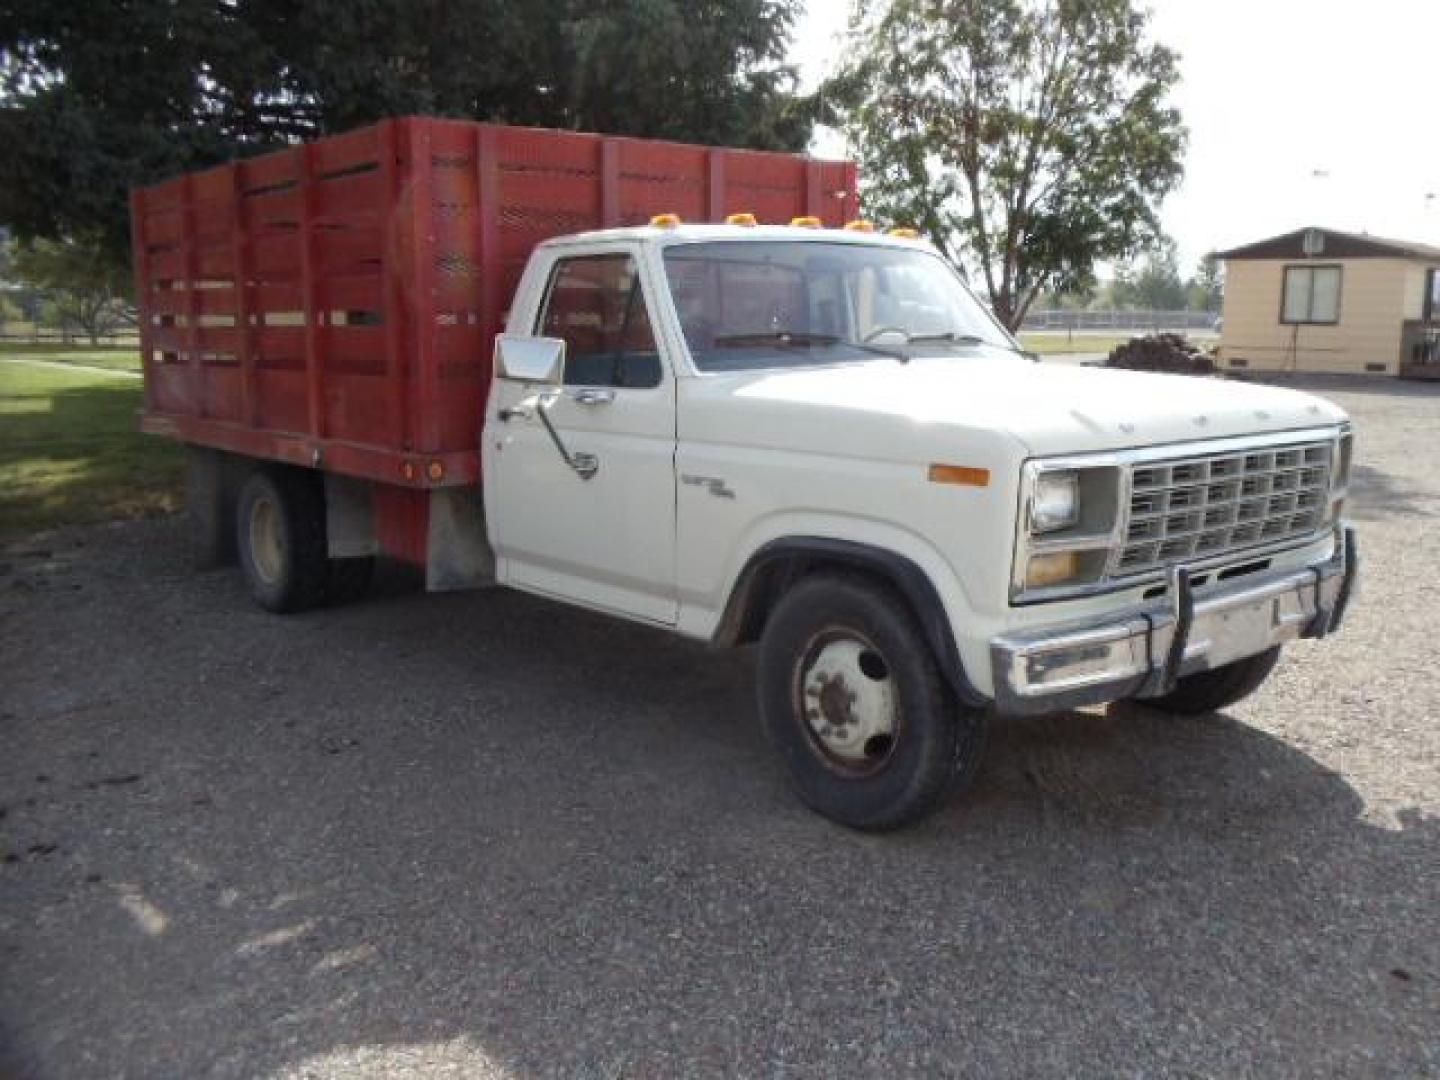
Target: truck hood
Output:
[(1048, 408)]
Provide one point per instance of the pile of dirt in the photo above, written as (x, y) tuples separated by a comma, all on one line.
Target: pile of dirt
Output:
[(1171, 353)]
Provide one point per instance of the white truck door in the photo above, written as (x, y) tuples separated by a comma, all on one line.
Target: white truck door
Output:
[(607, 541)]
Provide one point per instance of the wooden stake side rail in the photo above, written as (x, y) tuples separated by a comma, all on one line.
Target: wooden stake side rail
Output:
[(335, 304)]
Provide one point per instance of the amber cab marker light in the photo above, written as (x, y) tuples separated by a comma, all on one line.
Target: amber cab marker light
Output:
[(904, 233), (964, 475), (744, 220), (859, 226), (436, 471), (665, 221), (806, 222)]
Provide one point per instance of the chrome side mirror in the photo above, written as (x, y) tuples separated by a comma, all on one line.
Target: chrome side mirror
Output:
[(539, 361), (530, 359)]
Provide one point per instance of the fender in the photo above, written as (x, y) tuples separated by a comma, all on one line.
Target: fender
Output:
[(778, 563)]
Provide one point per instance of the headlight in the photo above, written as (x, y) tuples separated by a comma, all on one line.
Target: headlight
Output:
[(1070, 510), (1055, 503)]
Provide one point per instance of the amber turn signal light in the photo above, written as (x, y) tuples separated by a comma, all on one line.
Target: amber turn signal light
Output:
[(964, 475), (1051, 569)]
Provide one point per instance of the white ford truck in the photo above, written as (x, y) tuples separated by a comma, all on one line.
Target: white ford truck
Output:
[(815, 440), (820, 441)]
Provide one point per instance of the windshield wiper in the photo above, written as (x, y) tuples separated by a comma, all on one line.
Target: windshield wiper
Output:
[(803, 339), (951, 337), (777, 337), (948, 335)]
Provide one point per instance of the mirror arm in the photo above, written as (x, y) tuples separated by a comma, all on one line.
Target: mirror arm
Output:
[(585, 465)]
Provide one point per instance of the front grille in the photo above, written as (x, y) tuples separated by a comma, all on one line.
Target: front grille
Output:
[(1189, 508)]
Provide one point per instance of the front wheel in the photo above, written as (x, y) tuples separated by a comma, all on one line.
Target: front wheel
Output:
[(1209, 691), (852, 697)]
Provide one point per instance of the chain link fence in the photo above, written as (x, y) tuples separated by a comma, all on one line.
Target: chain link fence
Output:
[(1061, 320)]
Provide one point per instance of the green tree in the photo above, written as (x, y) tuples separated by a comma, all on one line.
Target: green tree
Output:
[(82, 291), (1157, 285), (9, 289), (1028, 138), (98, 96), (1118, 293), (1079, 297), (1206, 290)]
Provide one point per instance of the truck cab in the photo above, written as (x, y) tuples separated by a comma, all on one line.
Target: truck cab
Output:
[(820, 440)]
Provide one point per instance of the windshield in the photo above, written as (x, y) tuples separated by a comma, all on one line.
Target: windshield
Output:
[(759, 304)]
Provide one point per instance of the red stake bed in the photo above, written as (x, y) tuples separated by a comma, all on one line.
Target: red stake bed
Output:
[(334, 305)]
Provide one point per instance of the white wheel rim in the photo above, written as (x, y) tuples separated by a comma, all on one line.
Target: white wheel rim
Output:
[(847, 694), (267, 550)]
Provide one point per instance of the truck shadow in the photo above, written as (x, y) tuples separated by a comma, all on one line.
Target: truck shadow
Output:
[(1376, 495), (491, 833)]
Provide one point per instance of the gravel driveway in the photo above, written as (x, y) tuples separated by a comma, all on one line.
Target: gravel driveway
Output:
[(483, 835)]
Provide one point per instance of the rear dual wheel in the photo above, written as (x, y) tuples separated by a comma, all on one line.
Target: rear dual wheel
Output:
[(854, 700), (284, 552)]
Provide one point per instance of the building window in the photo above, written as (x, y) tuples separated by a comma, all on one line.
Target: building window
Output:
[(1432, 295), (1311, 295)]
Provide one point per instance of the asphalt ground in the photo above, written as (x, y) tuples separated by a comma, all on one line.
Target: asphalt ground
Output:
[(484, 835)]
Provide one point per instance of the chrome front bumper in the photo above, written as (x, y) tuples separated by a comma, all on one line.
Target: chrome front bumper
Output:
[(1143, 651)]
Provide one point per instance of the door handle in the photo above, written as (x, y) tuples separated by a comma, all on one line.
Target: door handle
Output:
[(592, 396), (585, 465), (515, 412)]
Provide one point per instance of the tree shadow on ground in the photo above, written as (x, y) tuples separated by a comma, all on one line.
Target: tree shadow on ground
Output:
[(496, 835), (1320, 383)]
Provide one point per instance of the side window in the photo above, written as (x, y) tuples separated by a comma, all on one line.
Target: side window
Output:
[(1311, 294), (596, 304)]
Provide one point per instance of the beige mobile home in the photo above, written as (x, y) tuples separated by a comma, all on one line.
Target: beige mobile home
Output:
[(1328, 301)]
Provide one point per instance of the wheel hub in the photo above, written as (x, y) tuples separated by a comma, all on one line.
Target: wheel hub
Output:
[(848, 696), (266, 546)]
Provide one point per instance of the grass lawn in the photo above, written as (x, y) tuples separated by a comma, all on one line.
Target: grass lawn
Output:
[(70, 448), (113, 358), (1052, 343)]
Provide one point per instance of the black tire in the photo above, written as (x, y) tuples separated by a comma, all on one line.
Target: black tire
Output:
[(280, 534), (935, 744), (349, 579), (1210, 691)]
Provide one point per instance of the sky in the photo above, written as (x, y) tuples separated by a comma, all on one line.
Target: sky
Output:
[(1301, 112)]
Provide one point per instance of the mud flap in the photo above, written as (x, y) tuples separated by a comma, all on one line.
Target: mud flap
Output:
[(458, 555)]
